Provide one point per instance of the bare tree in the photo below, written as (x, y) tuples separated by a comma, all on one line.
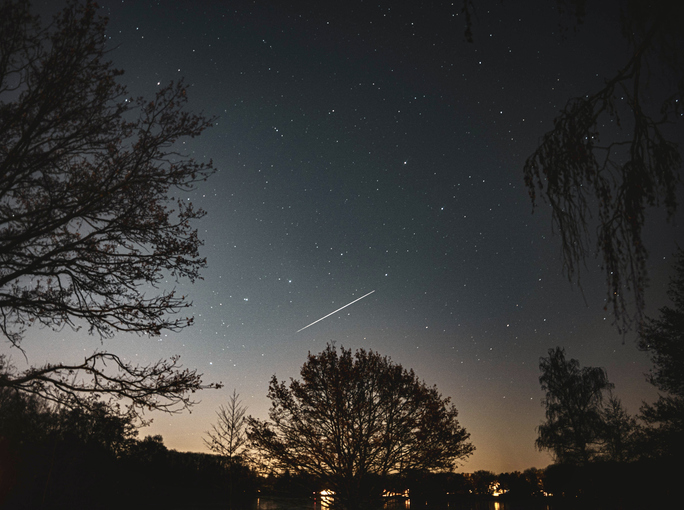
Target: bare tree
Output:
[(228, 436), (88, 225)]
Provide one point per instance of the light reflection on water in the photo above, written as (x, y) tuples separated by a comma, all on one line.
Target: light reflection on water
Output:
[(323, 503)]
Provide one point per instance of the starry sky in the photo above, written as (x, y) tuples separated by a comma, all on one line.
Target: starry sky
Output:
[(366, 146)]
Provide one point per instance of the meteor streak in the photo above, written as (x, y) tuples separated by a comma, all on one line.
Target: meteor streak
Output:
[(332, 313)]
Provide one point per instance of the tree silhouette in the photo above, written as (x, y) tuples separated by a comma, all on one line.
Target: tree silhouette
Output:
[(663, 339), (613, 153), (97, 427), (620, 432), (88, 225), (574, 396), (228, 437), (355, 419)]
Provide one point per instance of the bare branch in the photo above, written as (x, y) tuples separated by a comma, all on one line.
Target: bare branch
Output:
[(163, 386)]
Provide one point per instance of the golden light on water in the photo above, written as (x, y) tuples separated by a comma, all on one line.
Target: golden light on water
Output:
[(327, 497), (390, 494)]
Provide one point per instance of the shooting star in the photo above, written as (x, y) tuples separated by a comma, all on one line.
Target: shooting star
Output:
[(332, 313)]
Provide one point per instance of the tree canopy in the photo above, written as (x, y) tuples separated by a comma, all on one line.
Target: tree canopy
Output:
[(354, 419), (574, 414), (89, 228), (663, 339)]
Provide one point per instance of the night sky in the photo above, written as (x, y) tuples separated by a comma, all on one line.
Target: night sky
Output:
[(366, 146)]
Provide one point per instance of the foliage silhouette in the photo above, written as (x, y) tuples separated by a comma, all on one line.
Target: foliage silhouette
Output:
[(355, 419), (574, 397), (87, 222), (620, 433), (51, 457), (481, 481), (72, 458), (663, 339)]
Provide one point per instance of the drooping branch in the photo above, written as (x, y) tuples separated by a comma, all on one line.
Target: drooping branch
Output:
[(607, 185)]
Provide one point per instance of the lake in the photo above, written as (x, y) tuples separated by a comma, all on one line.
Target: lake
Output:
[(311, 504)]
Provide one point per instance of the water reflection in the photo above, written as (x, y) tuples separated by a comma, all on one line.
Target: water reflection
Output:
[(324, 502), (397, 504)]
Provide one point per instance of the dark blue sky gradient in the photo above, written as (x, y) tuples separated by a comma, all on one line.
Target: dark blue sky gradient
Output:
[(366, 146)]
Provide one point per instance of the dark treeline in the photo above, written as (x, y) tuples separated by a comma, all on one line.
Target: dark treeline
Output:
[(64, 458), (61, 458)]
